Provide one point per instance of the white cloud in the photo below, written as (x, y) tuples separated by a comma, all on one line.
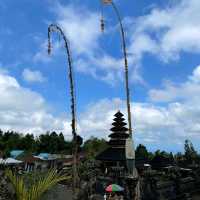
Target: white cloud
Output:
[(181, 105), (33, 76), (24, 110), (196, 75), (170, 31), (164, 32), (82, 28), (42, 53), (99, 117), (152, 125), (187, 90)]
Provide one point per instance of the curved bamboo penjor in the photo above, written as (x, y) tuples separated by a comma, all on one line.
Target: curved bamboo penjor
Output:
[(131, 156), (56, 28), (125, 60)]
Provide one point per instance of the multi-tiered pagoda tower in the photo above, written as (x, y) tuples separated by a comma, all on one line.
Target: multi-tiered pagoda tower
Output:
[(119, 132), (116, 157)]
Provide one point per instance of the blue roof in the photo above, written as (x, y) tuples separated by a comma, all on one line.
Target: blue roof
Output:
[(15, 153), (44, 155)]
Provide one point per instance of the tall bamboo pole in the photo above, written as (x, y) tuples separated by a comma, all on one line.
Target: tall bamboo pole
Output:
[(56, 28), (110, 2), (128, 102)]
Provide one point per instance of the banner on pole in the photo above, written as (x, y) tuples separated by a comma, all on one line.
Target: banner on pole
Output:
[(107, 1)]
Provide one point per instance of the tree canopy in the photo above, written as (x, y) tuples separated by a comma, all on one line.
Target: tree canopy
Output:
[(141, 152), (93, 146), (190, 153), (52, 142), (48, 142)]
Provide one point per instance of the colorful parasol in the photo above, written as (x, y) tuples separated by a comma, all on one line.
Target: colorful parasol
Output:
[(114, 188)]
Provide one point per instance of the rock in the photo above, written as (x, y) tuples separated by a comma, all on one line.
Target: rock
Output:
[(6, 189)]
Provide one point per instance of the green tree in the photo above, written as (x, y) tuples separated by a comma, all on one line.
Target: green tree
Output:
[(190, 153), (49, 142), (141, 152), (43, 143), (11, 140), (61, 143), (93, 146), (28, 143)]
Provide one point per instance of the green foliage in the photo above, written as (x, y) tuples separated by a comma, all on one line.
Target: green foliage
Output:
[(93, 146), (48, 143), (37, 188), (141, 152), (51, 143), (190, 153), (28, 143)]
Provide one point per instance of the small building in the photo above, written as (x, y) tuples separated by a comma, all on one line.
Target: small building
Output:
[(11, 161), (47, 161), (160, 161), (142, 165), (31, 163), (15, 153)]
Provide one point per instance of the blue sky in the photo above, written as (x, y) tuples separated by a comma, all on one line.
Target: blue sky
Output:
[(163, 42)]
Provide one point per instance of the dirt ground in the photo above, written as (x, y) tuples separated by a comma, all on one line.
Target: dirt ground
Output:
[(59, 192), (196, 197)]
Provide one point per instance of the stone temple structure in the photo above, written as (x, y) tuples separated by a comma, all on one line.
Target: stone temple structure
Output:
[(118, 160), (114, 157)]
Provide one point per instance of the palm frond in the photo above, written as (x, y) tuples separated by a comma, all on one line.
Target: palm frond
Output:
[(45, 183), (18, 184), (38, 188)]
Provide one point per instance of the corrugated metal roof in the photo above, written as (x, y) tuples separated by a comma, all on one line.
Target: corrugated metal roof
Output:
[(16, 153)]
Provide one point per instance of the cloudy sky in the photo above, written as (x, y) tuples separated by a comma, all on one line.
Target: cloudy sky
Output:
[(163, 42)]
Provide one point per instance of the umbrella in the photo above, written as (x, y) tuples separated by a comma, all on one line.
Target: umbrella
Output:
[(114, 188)]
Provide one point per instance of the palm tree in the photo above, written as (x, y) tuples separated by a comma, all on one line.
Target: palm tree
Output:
[(39, 186)]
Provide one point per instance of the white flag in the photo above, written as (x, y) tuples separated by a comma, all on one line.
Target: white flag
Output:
[(107, 1)]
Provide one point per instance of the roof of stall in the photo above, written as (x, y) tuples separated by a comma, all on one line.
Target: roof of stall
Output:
[(10, 161), (16, 153)]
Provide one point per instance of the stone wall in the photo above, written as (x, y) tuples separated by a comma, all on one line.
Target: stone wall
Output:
[(6, 189)]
